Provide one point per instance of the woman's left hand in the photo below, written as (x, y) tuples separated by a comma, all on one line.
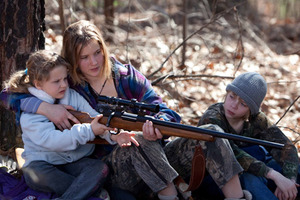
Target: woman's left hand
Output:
[(151, 133), (125, 139)]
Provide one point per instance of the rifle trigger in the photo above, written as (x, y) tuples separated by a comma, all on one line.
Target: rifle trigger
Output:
[(109, 118)]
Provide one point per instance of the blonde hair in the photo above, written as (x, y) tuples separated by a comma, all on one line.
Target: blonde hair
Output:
[(38, 68), (75, 38)]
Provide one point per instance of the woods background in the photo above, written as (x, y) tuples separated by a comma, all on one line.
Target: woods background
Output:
[(189, 49)]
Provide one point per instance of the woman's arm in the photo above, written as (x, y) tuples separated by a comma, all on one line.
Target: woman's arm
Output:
[(58, 114), (18, 102)]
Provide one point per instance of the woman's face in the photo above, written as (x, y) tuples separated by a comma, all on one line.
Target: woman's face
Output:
[(235, 108), (91, 59)]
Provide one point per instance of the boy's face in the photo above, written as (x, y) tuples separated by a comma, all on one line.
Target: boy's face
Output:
[(57, 83), (235, 108)]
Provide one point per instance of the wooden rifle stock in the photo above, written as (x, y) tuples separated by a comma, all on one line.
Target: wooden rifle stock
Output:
[(120, 123)]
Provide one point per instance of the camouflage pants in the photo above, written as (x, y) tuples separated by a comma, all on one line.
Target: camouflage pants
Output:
[(221, 163), (129, 168)]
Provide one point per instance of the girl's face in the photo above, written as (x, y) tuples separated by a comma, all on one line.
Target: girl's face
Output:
[(91, 59), (57, 83), (235, 107)]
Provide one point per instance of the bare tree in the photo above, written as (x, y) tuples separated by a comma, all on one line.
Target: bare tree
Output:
[(21, 32)]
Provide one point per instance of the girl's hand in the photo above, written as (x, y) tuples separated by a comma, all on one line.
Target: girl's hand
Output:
[(151, 133), (286, 188), (124, 139), (58, 114), (98, 128)]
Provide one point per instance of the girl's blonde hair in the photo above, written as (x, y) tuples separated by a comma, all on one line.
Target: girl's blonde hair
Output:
[(75, 38), (38, 67)]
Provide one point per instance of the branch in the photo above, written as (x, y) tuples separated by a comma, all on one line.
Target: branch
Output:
[(212, 20), (172, 76), (288, 109), (292, 52), (240, 41)]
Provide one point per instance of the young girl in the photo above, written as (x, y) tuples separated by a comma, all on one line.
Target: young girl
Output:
[(57, 161), (240, 114)]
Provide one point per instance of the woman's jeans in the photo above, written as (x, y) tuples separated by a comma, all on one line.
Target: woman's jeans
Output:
[(77, 180)]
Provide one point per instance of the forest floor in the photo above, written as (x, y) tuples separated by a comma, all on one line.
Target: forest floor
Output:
[(220, 47)]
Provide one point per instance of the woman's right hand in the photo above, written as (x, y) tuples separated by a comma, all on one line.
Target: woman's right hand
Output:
[(58, 114), (150, 133)]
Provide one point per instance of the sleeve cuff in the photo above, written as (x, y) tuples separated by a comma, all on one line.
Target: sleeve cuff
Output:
[(30, 104), (106, 136)]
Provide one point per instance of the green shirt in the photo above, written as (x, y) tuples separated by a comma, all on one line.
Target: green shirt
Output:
[(258, 127)]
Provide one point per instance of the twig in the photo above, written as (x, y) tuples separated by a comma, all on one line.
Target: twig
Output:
[(288, 109), (285, 127), (282, 81), (293, 52), (213, 19), (127, 35), (61, 15), (171, 76), (184, 31), (240, 41)]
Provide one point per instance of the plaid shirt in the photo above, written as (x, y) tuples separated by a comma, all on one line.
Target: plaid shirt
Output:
[(131, 84), (258, 127)]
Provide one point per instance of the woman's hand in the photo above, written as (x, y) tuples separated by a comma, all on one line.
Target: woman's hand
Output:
[(124, 139), (58, 114), (151, 133), (286, 188), (99, 129)]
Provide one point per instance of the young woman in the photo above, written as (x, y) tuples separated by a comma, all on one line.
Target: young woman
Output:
[(240, 114), (57, 161)]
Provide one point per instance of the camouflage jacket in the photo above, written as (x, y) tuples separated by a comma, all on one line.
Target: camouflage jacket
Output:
[(258, 127)]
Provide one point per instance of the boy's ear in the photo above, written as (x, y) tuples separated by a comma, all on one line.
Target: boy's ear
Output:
[(37, 84)]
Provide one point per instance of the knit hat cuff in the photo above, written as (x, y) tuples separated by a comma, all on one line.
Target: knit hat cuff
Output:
[(250, 103)]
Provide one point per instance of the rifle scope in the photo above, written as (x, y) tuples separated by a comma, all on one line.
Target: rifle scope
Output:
[(133, 103)]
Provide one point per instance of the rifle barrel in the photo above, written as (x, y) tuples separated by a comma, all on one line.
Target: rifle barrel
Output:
[(132, 117)]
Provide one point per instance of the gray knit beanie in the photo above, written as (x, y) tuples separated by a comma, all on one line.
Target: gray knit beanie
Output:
[(251, 87)]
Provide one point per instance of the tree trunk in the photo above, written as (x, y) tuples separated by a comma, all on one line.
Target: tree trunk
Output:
[(109, 18), (21, 32)]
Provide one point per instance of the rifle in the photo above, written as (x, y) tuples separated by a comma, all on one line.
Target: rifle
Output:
[(116, 117)]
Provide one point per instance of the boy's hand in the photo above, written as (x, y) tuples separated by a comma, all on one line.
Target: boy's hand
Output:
[(286, 188)]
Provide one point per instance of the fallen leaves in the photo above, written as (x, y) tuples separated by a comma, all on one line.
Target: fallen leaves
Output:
[(213, 51)]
